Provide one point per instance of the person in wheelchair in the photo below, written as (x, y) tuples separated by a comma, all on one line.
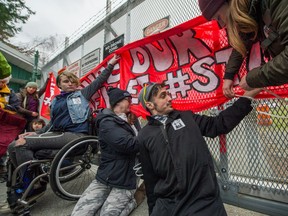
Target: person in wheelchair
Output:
[(69, 119), (112, 192)]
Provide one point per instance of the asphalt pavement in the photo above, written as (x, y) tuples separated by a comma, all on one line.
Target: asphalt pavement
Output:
[(50, 204)]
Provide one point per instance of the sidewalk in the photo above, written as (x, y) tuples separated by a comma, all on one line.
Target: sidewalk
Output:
[(50, 204)]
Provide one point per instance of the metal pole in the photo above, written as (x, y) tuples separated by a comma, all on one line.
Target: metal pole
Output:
[(108, 11), (35, 67)]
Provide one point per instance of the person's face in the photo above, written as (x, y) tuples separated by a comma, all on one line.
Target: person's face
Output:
[(37, 126), (2, 84), (161, 103), (31, 90), (221, 15), (67, 85), (124, 105)]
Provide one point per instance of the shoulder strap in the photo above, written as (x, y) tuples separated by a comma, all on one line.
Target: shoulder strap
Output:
[(268, 30)]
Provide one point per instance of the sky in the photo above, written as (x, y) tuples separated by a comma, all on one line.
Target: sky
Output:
[(61, 17)]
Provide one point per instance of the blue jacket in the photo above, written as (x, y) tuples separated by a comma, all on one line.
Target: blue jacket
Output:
[(78, 112)]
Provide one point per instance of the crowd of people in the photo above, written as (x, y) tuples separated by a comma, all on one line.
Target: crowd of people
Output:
[(177, 166)]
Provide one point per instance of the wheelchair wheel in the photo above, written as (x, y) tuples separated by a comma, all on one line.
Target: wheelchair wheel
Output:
[(74, 167)]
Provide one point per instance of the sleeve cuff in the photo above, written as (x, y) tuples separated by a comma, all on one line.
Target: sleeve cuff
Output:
[(229, 76)]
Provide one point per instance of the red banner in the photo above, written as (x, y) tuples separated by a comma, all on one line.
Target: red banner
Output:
[(51, 91), (190, 58)]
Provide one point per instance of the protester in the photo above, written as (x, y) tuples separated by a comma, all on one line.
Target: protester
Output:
[(247, 22), (10, 124), (29, 100), (177, 165), (112, 192), (69, 118)]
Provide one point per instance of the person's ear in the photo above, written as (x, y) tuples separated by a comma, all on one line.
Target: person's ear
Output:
[(150, 105)]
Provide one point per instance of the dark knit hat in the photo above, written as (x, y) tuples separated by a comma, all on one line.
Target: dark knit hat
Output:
[(116, 95), (209, 7), (32, 85), (145, 93)]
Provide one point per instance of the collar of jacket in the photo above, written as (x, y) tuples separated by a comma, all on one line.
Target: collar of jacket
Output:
[(171, 117), (108, 113)]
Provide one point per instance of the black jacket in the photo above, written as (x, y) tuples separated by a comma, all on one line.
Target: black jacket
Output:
[(179, 174), (118, 151)]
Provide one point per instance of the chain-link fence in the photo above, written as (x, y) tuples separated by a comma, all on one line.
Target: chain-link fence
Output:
[(253, 159)]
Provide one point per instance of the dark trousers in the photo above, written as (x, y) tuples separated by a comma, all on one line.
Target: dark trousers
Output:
[(50, 140)]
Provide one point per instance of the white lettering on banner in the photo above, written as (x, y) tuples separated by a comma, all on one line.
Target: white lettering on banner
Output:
[(135, 82), (141, 60), (161, 64), (255, 56), (177, 84), (213, 80), (185, 64), (222, 56), (141, 56), (192, 45), (47, 100)]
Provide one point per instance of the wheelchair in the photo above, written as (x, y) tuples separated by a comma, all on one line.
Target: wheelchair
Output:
[(69, 171)]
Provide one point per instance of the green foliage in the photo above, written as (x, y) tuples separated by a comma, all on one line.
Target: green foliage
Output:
[(13, 13)]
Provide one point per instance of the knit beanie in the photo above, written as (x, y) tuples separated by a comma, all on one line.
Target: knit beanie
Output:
[(32, 85), (145, 94), (210, 7), (5, 69), (116, 95)]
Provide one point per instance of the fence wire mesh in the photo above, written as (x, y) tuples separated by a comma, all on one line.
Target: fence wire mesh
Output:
[(254, 156)]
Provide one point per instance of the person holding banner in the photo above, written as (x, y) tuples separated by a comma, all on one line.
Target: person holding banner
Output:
[(29, 99), (112, 192), (177, 166), (69, 118), (247, 22)]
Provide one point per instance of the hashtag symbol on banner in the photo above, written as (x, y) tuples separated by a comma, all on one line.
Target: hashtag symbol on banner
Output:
[(177, 84)]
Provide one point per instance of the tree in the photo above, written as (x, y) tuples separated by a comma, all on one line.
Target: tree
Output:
[(12, 13), (44, 45)]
